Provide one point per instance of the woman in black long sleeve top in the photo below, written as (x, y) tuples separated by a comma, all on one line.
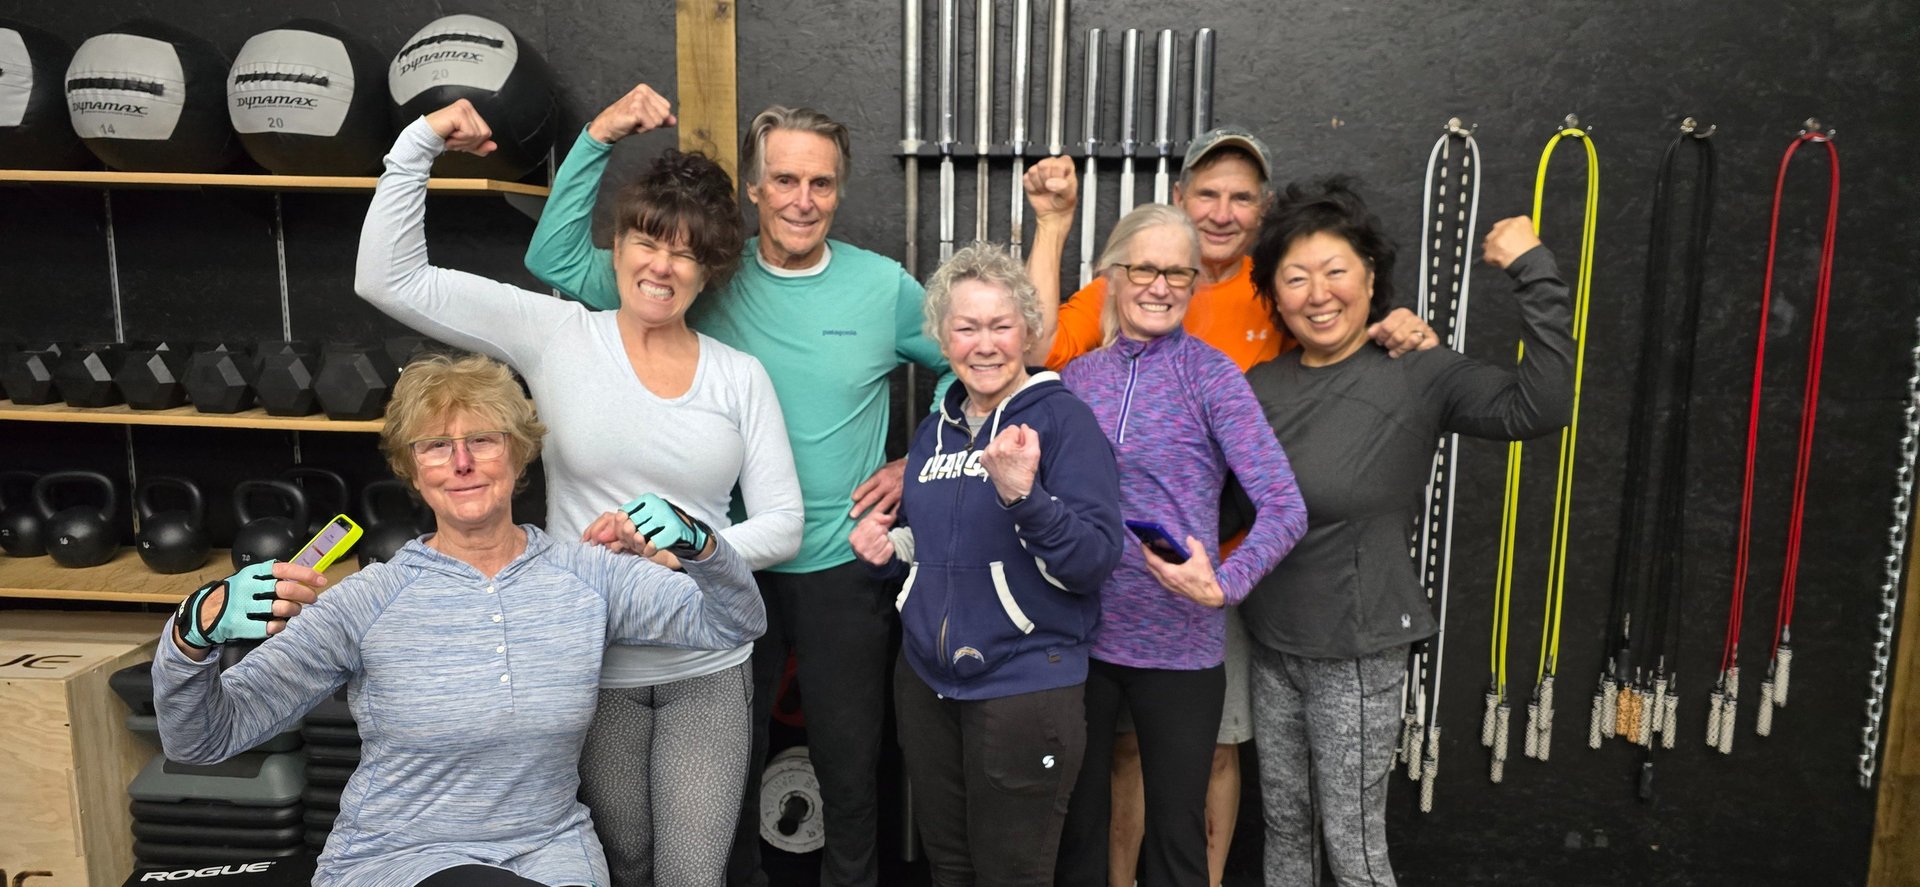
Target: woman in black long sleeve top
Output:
[(1333, 621)]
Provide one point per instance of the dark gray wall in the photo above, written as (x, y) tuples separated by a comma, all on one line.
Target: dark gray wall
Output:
[(1361, 88)]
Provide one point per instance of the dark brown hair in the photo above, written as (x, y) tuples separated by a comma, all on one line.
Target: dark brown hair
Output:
[(685, 194)]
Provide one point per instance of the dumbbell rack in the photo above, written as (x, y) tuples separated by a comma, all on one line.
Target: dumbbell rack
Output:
[(124, 578)]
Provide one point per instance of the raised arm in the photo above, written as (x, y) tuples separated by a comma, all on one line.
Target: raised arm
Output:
[(392, 271), (1063, 494), (1053, 191), (207, 715), (562, 253), (1502, 403)]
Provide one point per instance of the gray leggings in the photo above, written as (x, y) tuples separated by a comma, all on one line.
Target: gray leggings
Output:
[(662, 771), (1325, 729)]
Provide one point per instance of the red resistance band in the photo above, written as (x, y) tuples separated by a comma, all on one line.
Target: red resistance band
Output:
[(1810, 402)]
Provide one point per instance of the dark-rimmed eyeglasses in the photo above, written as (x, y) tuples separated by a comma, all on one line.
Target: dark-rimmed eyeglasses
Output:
[(482, 446), (1144, 275)]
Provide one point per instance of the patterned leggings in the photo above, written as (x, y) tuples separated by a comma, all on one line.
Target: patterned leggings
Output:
[(1325, 729), (662, 771)]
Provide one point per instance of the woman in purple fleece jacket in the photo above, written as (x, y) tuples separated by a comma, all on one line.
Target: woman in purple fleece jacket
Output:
[(1180, 416)]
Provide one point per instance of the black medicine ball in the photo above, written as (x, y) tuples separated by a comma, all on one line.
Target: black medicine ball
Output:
[(305, 98), (147, 97), (478, 59), (34, 132)]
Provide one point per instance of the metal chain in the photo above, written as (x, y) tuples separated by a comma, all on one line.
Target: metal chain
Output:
[(1890, 588)]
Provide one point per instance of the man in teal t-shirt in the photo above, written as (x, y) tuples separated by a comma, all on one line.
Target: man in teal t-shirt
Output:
[(829, 321)]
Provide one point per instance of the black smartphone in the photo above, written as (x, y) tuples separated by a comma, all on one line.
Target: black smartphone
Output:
[(1162, 542)]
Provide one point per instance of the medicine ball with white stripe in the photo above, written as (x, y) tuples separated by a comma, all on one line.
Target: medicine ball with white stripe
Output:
[(305, 98), (147, 97), (478, 59), (34, 132)]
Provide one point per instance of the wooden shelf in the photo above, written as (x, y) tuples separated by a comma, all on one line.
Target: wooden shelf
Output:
[(125, 578), (257, 181), (181, 416)]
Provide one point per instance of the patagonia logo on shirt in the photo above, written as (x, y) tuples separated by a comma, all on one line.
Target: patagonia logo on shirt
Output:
[(839, 332), (948, 466)]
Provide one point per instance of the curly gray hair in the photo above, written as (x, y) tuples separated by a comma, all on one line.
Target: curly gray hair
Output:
[(990, 264)]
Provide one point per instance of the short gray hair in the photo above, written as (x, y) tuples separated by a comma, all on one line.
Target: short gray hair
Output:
[(992, 265), (1144, 218), (753, 149)]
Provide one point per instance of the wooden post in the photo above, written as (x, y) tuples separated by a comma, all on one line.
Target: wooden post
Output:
[(1896, 827), (708, 101)]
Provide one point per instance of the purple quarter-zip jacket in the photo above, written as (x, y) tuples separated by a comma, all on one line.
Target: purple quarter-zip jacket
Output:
[(1180, 415)]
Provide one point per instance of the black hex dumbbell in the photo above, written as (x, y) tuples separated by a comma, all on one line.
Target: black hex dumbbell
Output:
[(403, 349), (27, 376), (355, 382), (220, 379), (86, 374), (153, 379), (286, 374)]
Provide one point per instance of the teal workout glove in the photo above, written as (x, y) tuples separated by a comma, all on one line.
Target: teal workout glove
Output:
[(244, 615), (666, 526)]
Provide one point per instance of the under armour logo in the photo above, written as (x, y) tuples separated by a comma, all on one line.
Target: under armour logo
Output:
[(1406, 621), (1046, 761)]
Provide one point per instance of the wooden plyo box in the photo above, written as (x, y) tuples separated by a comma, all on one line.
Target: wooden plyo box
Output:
[(66, 756)]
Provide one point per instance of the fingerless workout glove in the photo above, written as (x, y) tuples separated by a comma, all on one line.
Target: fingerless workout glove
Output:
[(666, 526), (242, 617)]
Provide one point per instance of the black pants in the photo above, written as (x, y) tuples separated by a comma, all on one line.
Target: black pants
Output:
[(1176, 715), (476, 876), (990, 779), (840, 623)]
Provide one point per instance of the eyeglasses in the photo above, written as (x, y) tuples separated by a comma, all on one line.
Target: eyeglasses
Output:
[(482, 446), (1144, 275)]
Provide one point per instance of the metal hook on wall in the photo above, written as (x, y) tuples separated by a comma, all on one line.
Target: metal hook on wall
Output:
[(1690, 126), (1817, 131)]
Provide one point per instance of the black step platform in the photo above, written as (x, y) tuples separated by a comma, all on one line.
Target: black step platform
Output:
[(215, 813), (217, 835), (191, 855)]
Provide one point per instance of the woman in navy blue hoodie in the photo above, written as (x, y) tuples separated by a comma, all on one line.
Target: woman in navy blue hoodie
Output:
[(1008, 527)]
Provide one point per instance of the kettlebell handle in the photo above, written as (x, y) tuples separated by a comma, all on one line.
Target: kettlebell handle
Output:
[(44, 504), (196, 503), (26, 479), (295, 499), (326, 477), (395, 494)]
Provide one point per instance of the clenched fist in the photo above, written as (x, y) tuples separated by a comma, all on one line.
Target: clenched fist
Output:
[(1012, 460), (1509, 239)]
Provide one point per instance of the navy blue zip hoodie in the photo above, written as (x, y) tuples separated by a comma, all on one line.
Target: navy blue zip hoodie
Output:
[(1003, 600)]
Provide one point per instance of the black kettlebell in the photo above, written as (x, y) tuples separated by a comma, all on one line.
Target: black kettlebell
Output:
[(78, 535), (19, 523), (393, 518), (265, 537), (326, 494), (171, 541)]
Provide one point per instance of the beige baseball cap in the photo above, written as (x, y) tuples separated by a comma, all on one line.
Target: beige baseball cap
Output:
[(1228, 136)]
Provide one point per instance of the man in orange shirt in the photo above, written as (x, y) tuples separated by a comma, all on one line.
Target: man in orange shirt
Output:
[(1224, 189)]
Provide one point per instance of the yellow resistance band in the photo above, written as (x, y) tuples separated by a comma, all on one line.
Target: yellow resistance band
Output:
[(1563, 490)]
